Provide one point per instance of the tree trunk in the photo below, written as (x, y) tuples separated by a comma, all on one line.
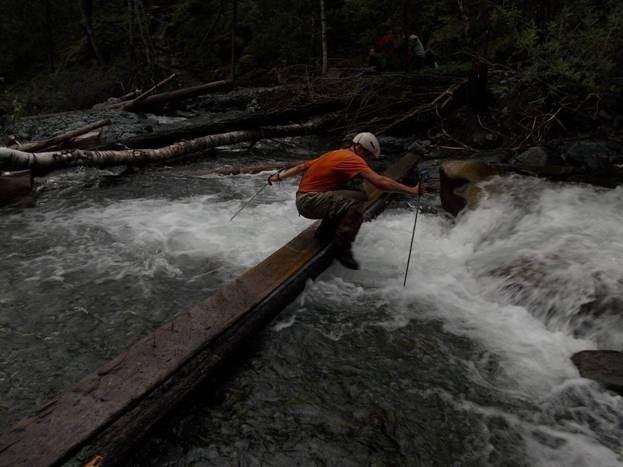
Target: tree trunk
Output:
[(323, 27), (405, 35), (206, 126), (476, 24), (48, 27), (234, 20), (86, 8), (12, 159), (140, 19), (36, 145), (130, 18)]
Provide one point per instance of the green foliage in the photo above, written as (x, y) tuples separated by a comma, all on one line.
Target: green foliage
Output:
[(199, 34), (572, 46), (82, 86), (575, 50)]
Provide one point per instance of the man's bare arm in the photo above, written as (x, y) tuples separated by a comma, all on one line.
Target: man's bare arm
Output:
[(387, 184), (291, 172)]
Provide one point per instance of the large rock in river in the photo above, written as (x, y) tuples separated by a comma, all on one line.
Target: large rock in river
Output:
[(459, 183), (603, 366)]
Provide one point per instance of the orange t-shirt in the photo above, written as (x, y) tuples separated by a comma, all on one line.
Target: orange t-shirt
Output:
[(331, 171)]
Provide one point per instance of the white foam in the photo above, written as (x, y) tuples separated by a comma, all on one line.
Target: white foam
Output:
[(145, 237), (567, 238), (561, 244)]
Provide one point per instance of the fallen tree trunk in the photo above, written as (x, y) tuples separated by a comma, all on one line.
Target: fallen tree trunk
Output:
[(86, 141), (181, 94), (45, 161), (203, 126), (47, 143), (134, 103)]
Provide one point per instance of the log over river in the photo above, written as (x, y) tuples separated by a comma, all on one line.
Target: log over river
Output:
[(467, 365)]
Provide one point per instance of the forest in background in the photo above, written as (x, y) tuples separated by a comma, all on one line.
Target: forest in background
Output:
[(57, 54)]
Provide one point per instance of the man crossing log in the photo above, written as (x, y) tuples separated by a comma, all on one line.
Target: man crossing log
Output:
[(322, 192)]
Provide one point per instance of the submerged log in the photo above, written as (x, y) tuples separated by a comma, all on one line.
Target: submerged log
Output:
[(14, 185), (203, 126), (45, 161), (248, 169), (603, 366), (108, 412), (55, 140)]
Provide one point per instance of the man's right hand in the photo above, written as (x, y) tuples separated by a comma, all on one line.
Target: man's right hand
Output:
[(418, 189)]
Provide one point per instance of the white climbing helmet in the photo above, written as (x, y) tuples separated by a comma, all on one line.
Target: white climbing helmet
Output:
[(369, 142)]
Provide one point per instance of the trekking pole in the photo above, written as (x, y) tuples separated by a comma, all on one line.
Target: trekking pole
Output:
[(417, 209), (247, 202)]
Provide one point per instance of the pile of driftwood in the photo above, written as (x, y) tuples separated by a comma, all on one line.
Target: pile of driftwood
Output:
[(82, 146), (149, 101)]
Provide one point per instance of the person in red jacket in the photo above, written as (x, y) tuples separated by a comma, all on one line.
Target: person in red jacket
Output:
[(322, 192), (385, 47)]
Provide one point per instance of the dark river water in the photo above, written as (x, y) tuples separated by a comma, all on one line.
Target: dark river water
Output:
[(466, 366)]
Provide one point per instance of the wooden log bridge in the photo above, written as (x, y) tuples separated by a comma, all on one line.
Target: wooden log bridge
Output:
[(106, 413), (14, 185)]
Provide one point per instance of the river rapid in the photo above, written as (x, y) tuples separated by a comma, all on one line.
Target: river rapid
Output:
[(469, 364)]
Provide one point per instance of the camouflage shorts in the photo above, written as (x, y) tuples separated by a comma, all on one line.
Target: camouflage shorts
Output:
[(329, 204)]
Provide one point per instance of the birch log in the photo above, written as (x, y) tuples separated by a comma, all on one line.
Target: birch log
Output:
[(202, 126), (13, 159), (46, 143)]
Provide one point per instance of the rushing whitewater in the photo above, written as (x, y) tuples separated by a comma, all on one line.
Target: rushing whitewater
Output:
[(467, 365)]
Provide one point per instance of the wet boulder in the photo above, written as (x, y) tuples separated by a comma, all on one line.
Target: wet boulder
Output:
[(459, 183), (421, 148), (593, 155), (485, 139), (596, 162), (542, 161), (603, 366), (534, 157)]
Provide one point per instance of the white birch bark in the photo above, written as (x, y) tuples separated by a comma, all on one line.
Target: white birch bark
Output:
[(12, 159)]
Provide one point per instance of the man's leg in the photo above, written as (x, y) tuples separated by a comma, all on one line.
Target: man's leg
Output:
[(345, 235), (326, 229), (342, 214)]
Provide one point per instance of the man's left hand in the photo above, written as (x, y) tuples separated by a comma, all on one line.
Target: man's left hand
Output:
[(274, 178)]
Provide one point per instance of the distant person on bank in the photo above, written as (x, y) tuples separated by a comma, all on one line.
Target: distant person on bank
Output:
[(322, 192), (416, 51)]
